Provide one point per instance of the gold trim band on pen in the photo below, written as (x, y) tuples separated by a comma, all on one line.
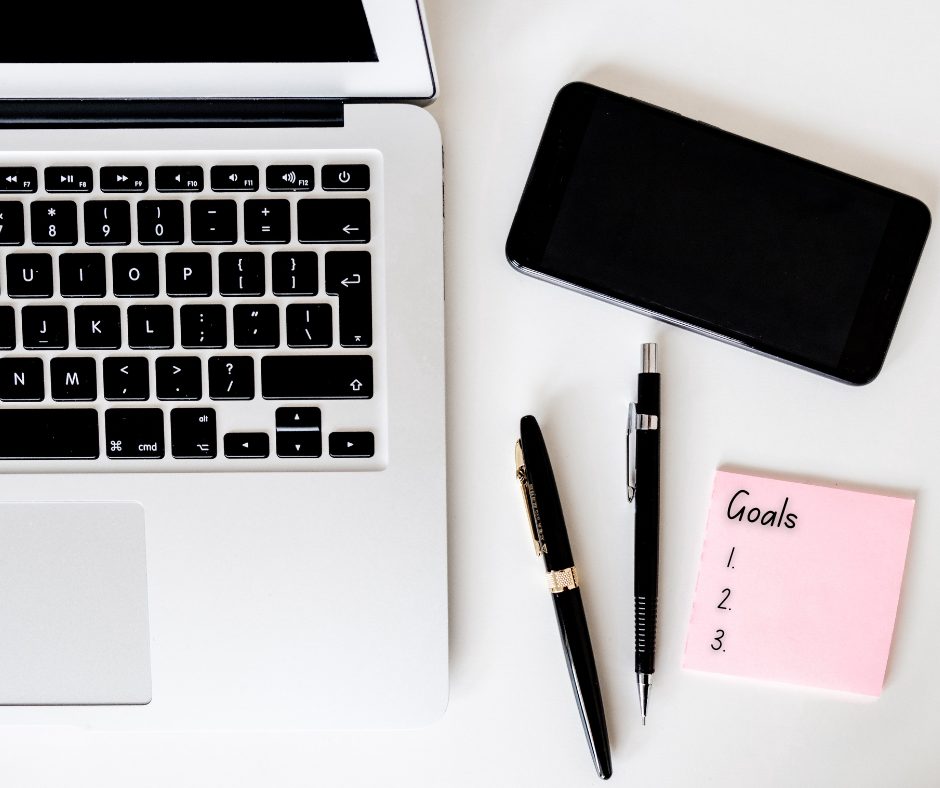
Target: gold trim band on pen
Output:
[(562, 579)]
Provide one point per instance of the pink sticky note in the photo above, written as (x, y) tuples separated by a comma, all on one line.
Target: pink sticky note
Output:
[(798, 583)]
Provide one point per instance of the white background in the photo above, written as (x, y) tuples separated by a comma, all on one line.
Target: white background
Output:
[(853, 84)]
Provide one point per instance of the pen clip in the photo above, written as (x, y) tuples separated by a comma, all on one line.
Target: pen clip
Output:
[(528, 496), (631, 467)]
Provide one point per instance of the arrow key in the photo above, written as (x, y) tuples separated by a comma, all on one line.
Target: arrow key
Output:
[(352, 444), (333, 221), (299, 444), (246, 445)]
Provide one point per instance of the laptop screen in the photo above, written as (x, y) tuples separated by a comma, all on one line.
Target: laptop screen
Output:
[(336, 32)]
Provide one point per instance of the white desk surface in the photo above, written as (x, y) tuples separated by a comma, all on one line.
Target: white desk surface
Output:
[(852, 84)]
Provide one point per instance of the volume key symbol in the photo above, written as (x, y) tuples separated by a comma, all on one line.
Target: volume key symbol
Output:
[(289, 177)]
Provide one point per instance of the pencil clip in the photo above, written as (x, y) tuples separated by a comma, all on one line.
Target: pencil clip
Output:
[(528, 496), (631, 467)]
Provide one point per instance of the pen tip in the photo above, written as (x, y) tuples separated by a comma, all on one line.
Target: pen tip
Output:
[(643, 720)]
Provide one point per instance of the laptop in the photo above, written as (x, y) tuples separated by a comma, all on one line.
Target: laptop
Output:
[(222, 486)]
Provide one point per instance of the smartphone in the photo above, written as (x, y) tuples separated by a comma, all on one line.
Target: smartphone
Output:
[(710, 231)]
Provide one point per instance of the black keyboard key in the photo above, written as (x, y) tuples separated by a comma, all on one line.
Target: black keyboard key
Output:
[(45, 327), (73, 379), (107, 223), (97, 327), (188, 274), (289, 178), (133, 433), (12, 231), (246, 445), (352, 444), (214, 221), (203, 325), (54, 223), (7, 328), (256, 325), (294, 273), (333, 221), (135, 274), (297, 419), (241, 273), (124, 179), (192, 433), (160, 222), (179, 377), (150, 326), (126, 378), (298, 432), (21, 380), (316, 377), (237, 178), (68, 179), (82, 275), (348, 177), (349, 276), (309, 325), (18, 180), (267, 221), (59, 434), (179, 179), (29, 275), (231, 377)]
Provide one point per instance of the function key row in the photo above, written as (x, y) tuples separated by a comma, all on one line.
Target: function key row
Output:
[(160, 222), (187, 178)]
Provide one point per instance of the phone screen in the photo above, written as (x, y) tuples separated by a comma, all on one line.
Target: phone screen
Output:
[(717, 232)]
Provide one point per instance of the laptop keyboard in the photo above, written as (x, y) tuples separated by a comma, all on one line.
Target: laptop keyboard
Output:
[(159, 314)]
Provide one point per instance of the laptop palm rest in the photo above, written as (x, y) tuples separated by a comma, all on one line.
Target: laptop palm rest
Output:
[(73, 604)]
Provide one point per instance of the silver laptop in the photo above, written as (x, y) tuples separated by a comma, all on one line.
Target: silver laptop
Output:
[(222, 493)]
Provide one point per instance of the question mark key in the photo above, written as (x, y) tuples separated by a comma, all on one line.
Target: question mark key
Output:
[(231, 377)]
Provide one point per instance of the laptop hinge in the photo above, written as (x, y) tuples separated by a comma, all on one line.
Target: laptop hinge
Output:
[(168, 113)]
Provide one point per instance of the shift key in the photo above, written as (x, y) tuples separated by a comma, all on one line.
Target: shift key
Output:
[(316, 377)]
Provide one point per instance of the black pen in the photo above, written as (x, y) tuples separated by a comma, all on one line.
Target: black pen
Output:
[(643, 490), (534, 472)]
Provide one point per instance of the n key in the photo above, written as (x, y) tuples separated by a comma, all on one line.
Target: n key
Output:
[(21, 380)]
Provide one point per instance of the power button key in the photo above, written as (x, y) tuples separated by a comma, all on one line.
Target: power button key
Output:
[(346, 177)]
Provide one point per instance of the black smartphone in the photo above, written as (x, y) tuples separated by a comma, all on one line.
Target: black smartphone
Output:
[(710, 231)]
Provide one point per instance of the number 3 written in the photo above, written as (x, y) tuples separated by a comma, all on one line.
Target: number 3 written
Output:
[(717, 644)]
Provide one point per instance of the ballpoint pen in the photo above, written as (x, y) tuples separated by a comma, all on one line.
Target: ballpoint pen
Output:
[(550, 537), (643, 490)]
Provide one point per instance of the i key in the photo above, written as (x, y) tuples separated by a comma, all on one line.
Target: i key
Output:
[(82, 275)]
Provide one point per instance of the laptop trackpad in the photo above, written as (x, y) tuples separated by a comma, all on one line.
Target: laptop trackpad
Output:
[(73, 604)]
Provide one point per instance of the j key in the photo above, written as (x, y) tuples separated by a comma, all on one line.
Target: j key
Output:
[(231, 377), (298, 432), (294, 273), (60, 434), (21, 380), (309, 325), (267, 221), (29, 275), (11, 224), (7, 328), (240, 178), (241, 273), (97, 327), (214, 221), (203, 326), (107, 223), (316, 377), (18, 180), (126, 378), (45, 327), (179, 179), (179, 377), (192, 433), (135, 274), (133, 433), (54, 223), (246, 445), (333, 221), (68, 179), (351, 177), (82, 275), (160, 222), (150, 326), (73, 379), (289, 178), (188, 274), (349, 276), (124, 179), (256, 325), (352, 444)]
